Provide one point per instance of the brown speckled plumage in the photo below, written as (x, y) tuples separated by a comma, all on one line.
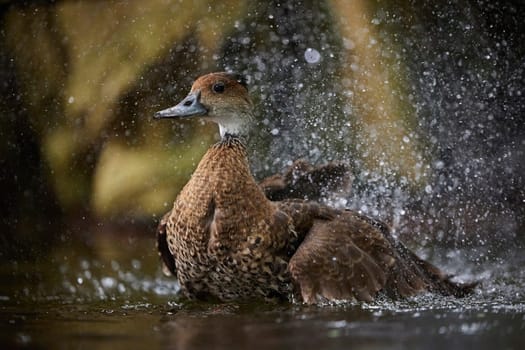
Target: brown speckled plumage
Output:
[(225, 239)]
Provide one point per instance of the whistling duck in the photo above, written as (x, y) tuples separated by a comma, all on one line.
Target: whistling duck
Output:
[(224, 239)]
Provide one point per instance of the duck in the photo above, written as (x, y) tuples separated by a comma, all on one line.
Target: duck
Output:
[(224, 239)]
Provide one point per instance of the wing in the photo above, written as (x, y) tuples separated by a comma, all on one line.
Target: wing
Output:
[(410, 274), (341, 257), (304, 181), (345, 255), (168, 266)]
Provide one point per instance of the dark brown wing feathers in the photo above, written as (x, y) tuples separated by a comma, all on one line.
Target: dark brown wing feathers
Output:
[(413, 274), (341, 257), (334, 267), (304, 181), (345, 255), (168, 261)]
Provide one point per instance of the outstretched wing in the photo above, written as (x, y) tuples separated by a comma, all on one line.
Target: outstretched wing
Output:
[(341, 257), (305, 181), (168, 266), (410, 274), (345, 256)]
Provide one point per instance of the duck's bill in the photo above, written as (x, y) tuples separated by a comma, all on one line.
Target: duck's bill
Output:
[(190, 106)]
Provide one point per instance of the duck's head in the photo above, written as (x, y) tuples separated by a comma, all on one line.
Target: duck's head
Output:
[(219, 97)]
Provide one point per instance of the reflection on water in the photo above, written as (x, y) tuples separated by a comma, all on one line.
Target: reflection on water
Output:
[(260, 327), (118, 298)]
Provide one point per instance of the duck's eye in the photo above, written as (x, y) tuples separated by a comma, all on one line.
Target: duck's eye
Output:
[(218, 87)]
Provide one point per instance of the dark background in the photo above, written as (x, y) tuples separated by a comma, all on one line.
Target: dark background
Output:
[(424, 99)]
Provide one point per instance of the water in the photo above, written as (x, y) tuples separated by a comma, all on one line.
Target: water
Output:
[(241, 327), (116, 297)]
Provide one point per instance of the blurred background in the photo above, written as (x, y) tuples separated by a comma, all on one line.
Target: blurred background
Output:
[(423, 99)]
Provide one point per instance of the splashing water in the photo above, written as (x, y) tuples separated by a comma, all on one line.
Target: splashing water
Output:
[(462, 97)]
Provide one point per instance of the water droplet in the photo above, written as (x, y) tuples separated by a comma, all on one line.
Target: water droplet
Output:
[(312, 55), (108, 282), (23, 338), (348, 44), (136, 264)]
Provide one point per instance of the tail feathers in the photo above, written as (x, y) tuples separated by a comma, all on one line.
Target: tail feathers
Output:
[(441, 282), (412, 275)]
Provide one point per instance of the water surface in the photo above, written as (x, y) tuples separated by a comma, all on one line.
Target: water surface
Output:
[(117, 298)]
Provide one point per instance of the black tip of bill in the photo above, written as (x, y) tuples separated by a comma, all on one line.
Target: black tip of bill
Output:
[(161, 114)]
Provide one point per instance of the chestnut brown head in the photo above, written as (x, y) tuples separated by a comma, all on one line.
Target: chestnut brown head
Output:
[(219, 97)]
